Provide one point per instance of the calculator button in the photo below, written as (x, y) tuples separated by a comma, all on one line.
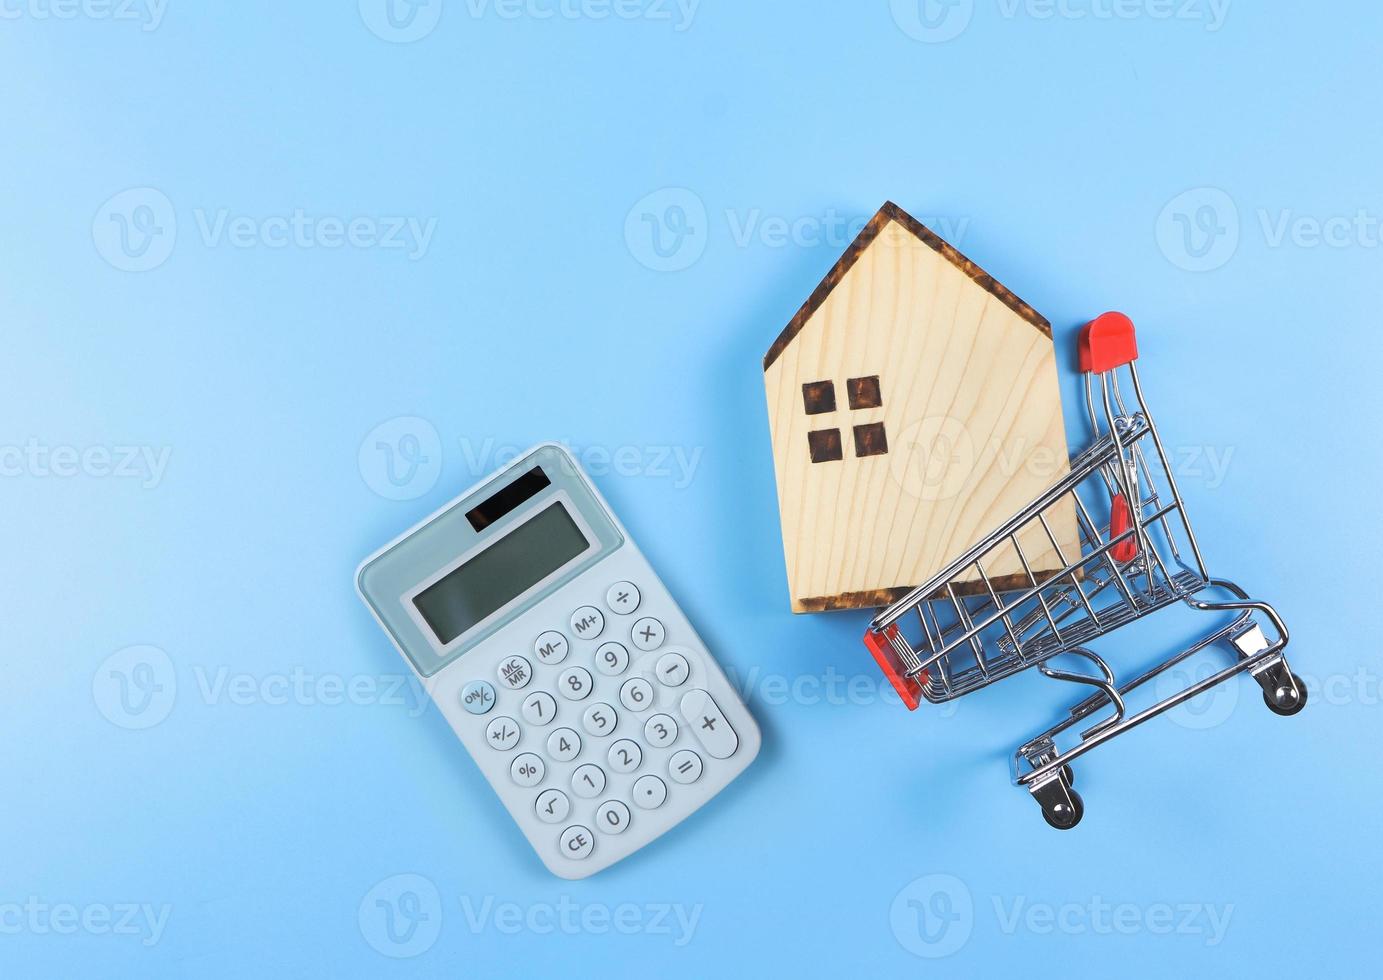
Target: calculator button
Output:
[(551, 648), (673, 669), (587, 622), (636, 694), (709, 725), (612, 817), (478, 697), (611, 659), (564, 745), (623, 598), (553, 806), (588, 781), (648, 634), (599, 719), (660, 731), (577, 843), (528, 770), (502, 733), (515, 673), (684, 766), (574, 684), (650, 792), (539, 708), (625, 756)]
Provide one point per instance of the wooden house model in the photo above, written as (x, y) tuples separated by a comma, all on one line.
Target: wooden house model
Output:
[(914, 407)]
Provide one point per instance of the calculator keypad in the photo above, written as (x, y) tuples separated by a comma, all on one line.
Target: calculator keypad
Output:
[(575, 761)]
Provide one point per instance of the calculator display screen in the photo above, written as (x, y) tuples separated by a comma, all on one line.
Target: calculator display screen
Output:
[(501, 573)]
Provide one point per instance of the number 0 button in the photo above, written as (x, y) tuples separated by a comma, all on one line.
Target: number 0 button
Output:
[(612, 817), (575, 683)]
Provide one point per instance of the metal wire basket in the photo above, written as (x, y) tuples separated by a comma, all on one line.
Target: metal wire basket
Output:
[(967, 628)]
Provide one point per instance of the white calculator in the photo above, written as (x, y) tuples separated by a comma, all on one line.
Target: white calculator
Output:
[(562, 663)]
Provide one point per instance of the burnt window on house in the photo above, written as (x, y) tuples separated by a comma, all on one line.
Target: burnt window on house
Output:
[(865, 392), (825, 445), (819, 397), (870, 440)]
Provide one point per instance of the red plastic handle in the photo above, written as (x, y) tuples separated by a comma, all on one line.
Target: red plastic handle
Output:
[(1107, 342), (1120, 520), (878, 643)]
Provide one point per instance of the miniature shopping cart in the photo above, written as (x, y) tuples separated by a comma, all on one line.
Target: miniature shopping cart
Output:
[(970, 626)]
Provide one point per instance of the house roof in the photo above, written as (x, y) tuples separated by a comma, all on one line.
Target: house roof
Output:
[(892, 212)]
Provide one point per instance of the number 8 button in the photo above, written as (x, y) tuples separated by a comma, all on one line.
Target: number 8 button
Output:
[(575, 683)]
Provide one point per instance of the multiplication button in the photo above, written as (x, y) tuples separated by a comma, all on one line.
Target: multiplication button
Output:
[(623, 598), (648, 634), (587, 622), (551, 648)]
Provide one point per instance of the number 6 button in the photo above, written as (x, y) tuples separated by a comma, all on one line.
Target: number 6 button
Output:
[(636, 694)]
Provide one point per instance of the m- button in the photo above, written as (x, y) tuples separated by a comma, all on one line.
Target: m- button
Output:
[(709, 725)]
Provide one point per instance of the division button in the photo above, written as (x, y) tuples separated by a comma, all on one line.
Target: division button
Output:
[(623, 598), (515, 672), (527, 769), (552, 806), (612, 817), (478, 697), (709, 725), (650, 792), (672, 669), (577, 842), (648, 634), (684, 766), (587, 622), (551, 648), (502, 733)]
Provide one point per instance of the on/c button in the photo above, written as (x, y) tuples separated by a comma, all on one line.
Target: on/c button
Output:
[(709, 724)]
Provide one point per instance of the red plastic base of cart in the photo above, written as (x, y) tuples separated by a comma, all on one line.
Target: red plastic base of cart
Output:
[(878, 643)]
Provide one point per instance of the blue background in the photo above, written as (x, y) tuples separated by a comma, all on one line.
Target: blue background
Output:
[(1063, 148)]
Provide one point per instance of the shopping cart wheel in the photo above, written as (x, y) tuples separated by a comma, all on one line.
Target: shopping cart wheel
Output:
[(1064, 816), (1285, 694)]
